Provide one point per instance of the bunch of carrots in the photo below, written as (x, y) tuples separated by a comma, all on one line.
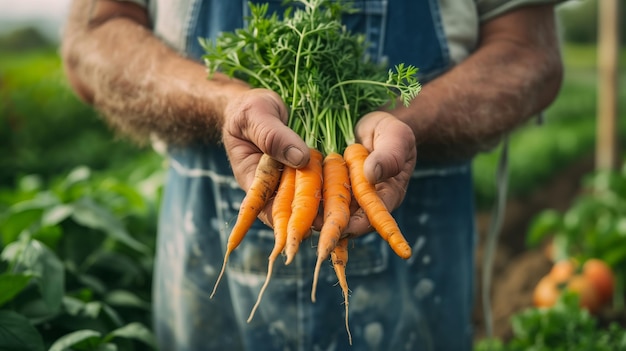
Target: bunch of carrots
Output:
[(320, 71)]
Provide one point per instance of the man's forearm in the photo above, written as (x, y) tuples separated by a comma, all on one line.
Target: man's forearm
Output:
[(138, 83), (506, 81)]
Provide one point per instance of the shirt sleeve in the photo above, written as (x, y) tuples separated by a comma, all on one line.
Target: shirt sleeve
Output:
[(488, 9)]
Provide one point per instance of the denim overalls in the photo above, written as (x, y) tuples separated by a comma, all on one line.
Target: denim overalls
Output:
[(424, 303)]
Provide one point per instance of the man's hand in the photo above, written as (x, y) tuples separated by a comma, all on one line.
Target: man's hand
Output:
[(255, 123), (390, 164)]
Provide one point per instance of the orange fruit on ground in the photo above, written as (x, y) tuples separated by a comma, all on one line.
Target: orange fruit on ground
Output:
[(601, 276), (589, 297), (546, 292), (563, 270)]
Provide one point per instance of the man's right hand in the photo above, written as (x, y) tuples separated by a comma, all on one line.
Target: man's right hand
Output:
[(255, 123)]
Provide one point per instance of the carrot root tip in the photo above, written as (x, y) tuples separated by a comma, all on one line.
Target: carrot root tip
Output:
[(219, 277)]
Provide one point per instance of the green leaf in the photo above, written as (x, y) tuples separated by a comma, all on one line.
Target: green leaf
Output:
[(134, 331), (92, 309), (92, 215), (36, 309), (86, 336), (72, 305), (33, 256), (11, 285), (30, 183), (42, 200), (92, 282), (127, 299), (25, 215), (52, 274), (16, 222), (49, 235), (77, 175), (56, 214), (544, 225), (17, 334), (135, 201), (106, 347), (112, 314)]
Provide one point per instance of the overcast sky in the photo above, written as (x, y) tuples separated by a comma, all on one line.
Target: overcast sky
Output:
[(33, 8), (47, 15)]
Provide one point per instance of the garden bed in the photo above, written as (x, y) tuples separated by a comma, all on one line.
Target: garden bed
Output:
[(517, 269)]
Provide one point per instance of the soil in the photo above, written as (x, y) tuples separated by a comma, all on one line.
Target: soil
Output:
[(516, 268)]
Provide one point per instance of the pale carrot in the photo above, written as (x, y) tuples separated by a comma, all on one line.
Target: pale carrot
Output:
[(304, 208), (281, 211), (336, 197), (365, 194), (339, 258), (266, 179)]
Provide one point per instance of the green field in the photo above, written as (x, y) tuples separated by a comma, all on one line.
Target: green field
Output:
[(568, 132), (44, 128)]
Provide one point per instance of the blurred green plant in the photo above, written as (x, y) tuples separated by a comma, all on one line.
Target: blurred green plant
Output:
[(563, 327), (44, 128), (76, 260), (593, 227), (538, 151)]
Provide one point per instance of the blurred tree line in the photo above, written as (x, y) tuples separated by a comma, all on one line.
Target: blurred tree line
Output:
[(44, 128), (579, 21)]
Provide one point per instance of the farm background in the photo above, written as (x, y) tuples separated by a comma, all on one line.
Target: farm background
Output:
[(64, 177)]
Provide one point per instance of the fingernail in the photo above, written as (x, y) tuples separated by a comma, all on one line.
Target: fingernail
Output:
[(293, 155), (378, 172)]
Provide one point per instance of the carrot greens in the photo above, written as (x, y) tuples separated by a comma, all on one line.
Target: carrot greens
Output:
[(318, 67)]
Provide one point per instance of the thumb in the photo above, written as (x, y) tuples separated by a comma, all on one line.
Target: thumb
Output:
[(381, 165), (262, 118), (392, 145)]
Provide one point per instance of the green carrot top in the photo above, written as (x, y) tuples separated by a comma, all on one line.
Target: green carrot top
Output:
[(316, 65)]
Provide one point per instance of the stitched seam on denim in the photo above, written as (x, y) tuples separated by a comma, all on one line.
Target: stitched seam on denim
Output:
[(202, 173), (192, 24), (439, 172), (383, 30), (439, 30)]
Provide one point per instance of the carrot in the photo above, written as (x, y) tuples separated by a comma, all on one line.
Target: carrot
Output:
[(281, 211), (336, 197), (365, 194), (305, 203), (264, 184), (339, 257)]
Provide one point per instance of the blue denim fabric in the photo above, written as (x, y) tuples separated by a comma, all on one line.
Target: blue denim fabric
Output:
[(423, 303)]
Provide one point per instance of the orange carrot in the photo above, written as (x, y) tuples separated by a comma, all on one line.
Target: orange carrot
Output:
[(365, 194), (304, 208), (336, 196), (266, 179), (281, 211), (339, 257)]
